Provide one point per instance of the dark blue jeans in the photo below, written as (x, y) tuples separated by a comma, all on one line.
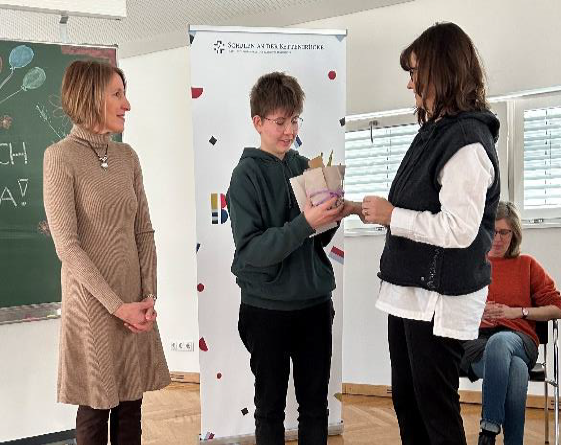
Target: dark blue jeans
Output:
[(273, 338)]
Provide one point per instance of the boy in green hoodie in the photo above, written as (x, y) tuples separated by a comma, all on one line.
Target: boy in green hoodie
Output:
[(285, 276)]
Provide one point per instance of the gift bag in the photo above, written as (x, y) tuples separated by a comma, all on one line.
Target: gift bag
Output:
[(324, 183), (319, 184)]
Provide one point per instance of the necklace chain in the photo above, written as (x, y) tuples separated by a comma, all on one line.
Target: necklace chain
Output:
[(102, 159)]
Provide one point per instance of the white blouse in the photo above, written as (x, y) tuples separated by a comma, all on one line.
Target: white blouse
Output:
[(465, 179)]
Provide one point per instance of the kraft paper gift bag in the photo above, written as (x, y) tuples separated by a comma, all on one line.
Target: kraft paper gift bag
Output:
[(325, 183), (299, 189), (319, 184)]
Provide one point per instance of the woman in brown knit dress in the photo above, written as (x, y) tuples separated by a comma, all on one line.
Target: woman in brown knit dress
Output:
[(110, 348)]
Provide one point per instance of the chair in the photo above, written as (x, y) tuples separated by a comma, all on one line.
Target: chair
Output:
[(539, 374)]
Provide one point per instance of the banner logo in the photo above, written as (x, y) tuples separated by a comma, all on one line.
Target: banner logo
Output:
[(219, 47), (219, 208), (265, 47)]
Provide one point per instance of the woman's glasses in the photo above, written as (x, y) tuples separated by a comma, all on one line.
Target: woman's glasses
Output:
[(503, 233)]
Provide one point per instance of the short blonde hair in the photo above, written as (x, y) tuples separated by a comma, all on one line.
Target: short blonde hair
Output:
[(509, 212), (83, 88)]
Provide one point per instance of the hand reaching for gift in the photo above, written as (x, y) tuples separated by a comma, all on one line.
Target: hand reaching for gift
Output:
[(372, 210), (352, 208), (377, 210), (322, 214)]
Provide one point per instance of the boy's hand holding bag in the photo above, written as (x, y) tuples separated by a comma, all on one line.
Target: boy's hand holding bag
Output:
[(319, 184)]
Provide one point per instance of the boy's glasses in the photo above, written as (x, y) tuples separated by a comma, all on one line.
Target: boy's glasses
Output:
[(503, 233), (282, 122)]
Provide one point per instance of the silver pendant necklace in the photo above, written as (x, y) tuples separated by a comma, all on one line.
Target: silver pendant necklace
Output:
[(102, 159)]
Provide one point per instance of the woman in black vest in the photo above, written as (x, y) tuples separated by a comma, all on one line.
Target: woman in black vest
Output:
[(440, 215)]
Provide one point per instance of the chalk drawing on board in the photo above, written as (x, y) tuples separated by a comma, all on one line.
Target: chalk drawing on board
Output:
[(20, 57), (6, 196), (46, 118), (22, 182), (32, 80)]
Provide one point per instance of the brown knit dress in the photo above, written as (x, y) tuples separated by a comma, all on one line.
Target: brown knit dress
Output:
[(101, 228)]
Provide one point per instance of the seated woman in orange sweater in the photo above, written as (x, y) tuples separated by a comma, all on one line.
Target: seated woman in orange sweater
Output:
[(521, 293)]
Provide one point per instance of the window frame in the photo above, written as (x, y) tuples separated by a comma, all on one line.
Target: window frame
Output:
[(538, 217)]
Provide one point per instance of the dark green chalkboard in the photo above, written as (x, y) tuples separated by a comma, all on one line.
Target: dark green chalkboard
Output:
[(30, 121)]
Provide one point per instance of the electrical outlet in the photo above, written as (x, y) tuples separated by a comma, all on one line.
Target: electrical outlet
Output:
[(182, 346)]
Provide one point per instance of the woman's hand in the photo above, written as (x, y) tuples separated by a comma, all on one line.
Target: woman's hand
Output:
[(486, 320), (498, 310), (377, 210), (146, 326), (143, 327), (138, 317)]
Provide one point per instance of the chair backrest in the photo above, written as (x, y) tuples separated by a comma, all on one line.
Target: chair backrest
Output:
[(542, 331)]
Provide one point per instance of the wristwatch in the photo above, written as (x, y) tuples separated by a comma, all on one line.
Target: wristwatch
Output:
[(525, 312)]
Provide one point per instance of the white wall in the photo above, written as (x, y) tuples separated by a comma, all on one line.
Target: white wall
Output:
[(516, 39), (159, 129)]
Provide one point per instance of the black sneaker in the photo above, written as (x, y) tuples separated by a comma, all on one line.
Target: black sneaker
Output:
[(486, 438)]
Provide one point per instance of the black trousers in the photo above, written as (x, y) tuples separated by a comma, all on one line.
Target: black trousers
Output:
[(125, 424), (273, 338), (425, 380)]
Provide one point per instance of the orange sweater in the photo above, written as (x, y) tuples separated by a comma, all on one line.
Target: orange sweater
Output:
[(521, 282)]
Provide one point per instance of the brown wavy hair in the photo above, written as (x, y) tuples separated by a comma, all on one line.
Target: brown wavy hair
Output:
[(448, 61), (276, 91), (83, 91)]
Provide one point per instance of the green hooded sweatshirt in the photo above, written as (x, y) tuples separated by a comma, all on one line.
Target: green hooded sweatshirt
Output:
[(276, 263)]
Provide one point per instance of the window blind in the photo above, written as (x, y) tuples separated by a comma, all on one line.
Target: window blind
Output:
[(542, 158), (372, 160)]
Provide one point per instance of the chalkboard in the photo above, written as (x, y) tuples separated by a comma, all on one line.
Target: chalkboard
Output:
[(30, 120)]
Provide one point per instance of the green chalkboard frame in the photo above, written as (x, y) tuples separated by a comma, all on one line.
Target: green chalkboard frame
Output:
[(30, 120)]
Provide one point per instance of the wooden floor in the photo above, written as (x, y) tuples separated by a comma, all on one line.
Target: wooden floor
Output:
[(172, 417)]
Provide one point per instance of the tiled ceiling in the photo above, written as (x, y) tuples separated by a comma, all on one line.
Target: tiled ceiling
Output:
[(151, 19)]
